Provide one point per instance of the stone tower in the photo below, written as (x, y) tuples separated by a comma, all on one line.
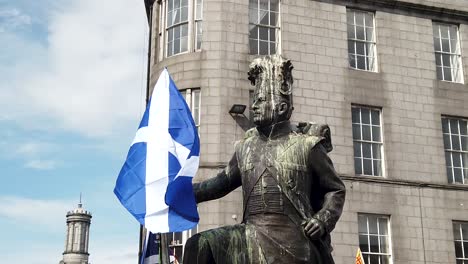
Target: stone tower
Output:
[(76, 243)]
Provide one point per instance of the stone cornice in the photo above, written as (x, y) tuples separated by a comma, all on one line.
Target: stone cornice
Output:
[(406, 8), (380, 180)]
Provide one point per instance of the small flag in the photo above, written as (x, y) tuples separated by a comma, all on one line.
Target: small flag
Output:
[(359, 258), (151, 249), (155, 182)]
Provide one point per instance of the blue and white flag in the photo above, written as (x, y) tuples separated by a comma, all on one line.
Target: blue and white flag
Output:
[(155, 183), (151, 249)]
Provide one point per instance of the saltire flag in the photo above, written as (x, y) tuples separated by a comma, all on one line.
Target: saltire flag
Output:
[(359, 258), (151, 249), (155, 182)]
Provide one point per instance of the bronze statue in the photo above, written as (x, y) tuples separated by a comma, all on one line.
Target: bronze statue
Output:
[(292, 195)]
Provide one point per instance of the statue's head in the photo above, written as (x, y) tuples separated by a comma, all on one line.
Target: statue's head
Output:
[(272, 78)]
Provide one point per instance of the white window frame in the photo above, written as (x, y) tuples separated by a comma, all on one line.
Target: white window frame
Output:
[(455, 136), (359, 141), (191, 95), (180, 244), (198, 22), (254, 5), (194, 22), (369, 46), (443, 34), (458, 228), (366, 252)]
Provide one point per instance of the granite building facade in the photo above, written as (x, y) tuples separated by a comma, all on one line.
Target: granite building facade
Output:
[(388, 77)]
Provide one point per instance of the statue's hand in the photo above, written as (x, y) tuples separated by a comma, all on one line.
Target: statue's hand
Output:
[(313, 228)]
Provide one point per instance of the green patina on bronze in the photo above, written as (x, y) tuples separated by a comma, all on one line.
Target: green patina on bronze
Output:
[(292, 195)]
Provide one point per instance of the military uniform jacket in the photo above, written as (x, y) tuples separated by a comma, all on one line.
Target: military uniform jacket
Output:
[(298, 161)]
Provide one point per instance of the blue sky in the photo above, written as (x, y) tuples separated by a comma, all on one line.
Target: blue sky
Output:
[(72, 93)]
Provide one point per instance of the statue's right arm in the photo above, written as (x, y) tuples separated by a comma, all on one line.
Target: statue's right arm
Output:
[(225, 182)]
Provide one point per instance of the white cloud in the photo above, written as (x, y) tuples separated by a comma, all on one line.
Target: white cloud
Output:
[(12, 18), (90, 76), (48, 214), (41, 164)]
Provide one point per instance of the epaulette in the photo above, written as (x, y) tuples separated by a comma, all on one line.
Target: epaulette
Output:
[(250, 133), (318, 130)]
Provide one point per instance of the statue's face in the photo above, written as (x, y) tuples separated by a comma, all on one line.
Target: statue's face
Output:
[(264, 109)]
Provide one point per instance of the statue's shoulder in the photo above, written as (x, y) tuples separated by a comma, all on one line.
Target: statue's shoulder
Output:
[(316, 133), (248, 136), (252, 132)]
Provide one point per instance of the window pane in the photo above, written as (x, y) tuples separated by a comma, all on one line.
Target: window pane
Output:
[(263, 33), (369, 17), (184, 14), (272, 48), (369, 34), (352, 61), (367, 167), (458, 175), (445, 46), (377, 168), (183, 44), (465, 231), (356, 131), (358, 165), (383, 244), (264, 19), (366, 150), (374, 243), (372, 224), (375, 117), (376, 151), (384, 260), (351, 47), (383, 226), (273, 18), (253, 15), (362, 220), (455, 142), (355, 115), (445, 125), (360, 33), (351, 32), (456, 231), (274, 4), (363, 243), (360, 48), (366, 132), (359, 17), (253, 32), (263, 49), (446, 60), (465, 247), (456, 157), (447, 141), (454, 126), (357, 149), (272, 34), (350, 17), (376, 133), (365, 114), (447, 74), (463, 127), (253, 46), (437, 44)]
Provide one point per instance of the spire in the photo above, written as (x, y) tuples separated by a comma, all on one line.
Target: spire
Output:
[(80, 204)]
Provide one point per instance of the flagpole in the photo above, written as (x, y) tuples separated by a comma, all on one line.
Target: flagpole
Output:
[(148, 74)]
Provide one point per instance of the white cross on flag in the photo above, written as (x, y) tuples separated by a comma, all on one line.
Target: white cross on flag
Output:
[(155, 183)]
